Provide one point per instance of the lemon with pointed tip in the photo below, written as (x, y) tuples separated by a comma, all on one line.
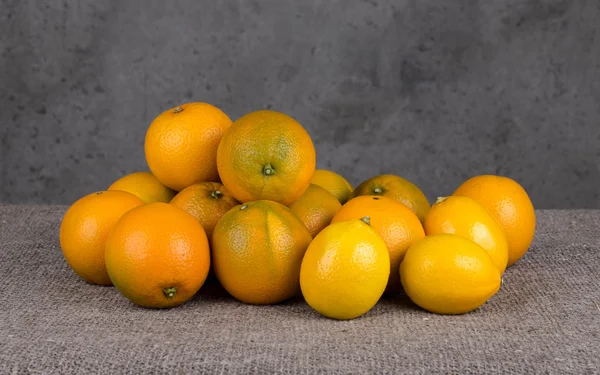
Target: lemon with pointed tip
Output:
[(449, 274)]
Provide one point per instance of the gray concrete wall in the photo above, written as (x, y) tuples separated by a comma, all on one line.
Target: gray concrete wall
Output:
[(435, 91)]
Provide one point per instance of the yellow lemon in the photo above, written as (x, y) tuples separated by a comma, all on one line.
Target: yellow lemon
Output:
[(397, 225), (449, 274), (345, 270), (465, 217)]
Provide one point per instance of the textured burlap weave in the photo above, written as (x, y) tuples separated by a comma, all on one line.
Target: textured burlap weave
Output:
[(545, 319)]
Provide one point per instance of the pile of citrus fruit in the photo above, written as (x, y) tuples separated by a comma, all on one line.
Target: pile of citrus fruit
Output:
[(242, 202)]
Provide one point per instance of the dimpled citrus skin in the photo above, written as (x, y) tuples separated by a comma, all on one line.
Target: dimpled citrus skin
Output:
[(86, 226), (266, 155), (154, 249), (509, 203), (397, 188), (144, 186), (257, 250), (465, 217), (449, 274), (333, 183), (394, 222), (181, 144), (345, 270), (207, 202), (316, 207)]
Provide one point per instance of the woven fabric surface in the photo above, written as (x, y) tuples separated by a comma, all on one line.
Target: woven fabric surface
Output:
[(545, 318)]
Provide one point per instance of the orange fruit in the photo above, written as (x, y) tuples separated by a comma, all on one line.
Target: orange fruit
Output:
[(333, 183), (509, 203), (345, 270), (86, 226), (397, 188), (266, 155), (181, 144), (316, 207), (465, 217), (144, 186), (207, 202), (157, 255), (257, 251), (449, 274), (394, 222)]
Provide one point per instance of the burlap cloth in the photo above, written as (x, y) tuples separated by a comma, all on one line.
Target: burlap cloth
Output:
[(545, 319)]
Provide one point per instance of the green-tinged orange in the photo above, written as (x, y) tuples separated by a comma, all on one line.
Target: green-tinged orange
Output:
[(257, 250), (266, 155)]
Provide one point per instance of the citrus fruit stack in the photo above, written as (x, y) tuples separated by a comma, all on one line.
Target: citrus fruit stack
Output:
[(242, 200)]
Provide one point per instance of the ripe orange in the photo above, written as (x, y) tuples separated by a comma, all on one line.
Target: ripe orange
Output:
[(86, 226), (207, 202), (333, 183), (397, 188), (394, 222), (465, 217), (316, 207), (157, 255), (257, 252), (266, 155), (508, 202), (181, 144), (144, 186)]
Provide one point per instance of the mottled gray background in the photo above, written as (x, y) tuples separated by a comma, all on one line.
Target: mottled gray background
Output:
[(435, 91)]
